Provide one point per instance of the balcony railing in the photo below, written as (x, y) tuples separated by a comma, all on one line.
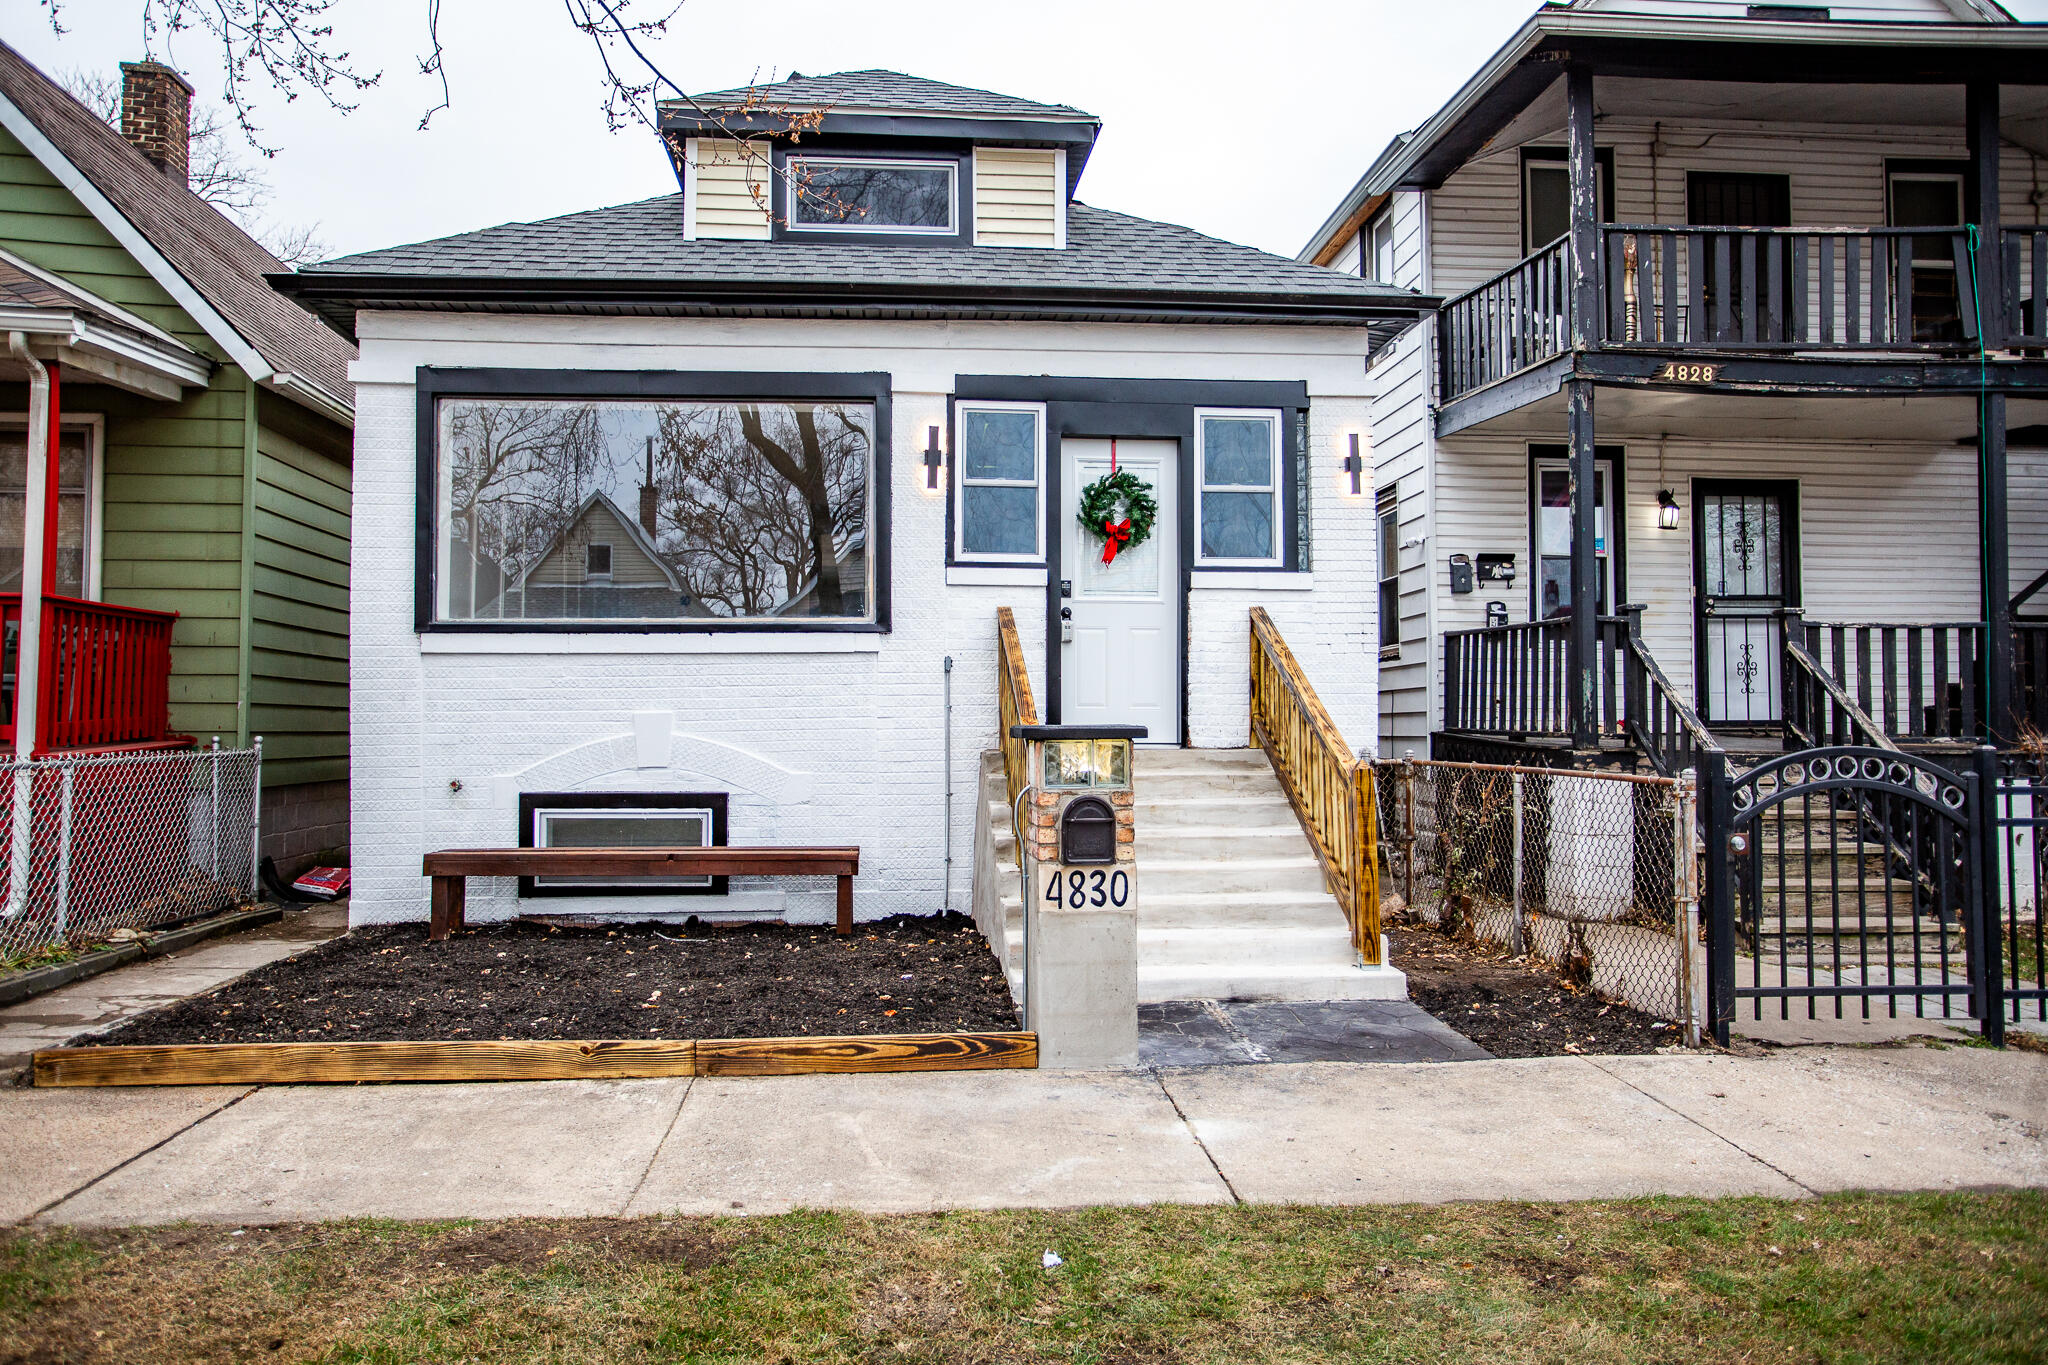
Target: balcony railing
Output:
[(2026, 286), (1518, 318), (104, 676), (1788, 289), (1717, 289)]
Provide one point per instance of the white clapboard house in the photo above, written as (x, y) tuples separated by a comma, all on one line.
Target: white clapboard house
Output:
[(1736, 404), (692, 520)]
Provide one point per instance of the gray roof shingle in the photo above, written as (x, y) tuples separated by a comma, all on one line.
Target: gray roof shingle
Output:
[(887, 90), (218, 259), (1106, 252)]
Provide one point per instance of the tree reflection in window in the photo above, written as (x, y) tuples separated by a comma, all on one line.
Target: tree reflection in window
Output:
[(711, 510), (872, 196)]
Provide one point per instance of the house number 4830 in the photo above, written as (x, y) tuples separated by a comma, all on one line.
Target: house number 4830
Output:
[(1078, 890), (1689, 374)]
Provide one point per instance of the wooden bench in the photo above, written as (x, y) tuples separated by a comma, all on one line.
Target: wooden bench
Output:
[(452, 866)]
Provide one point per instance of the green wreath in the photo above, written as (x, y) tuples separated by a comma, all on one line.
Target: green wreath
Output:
[(1100, 503)]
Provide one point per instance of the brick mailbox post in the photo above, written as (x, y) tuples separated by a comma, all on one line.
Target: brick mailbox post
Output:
[(1081, 902)]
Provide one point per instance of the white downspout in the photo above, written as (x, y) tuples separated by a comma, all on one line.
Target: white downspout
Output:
[(28, 646)]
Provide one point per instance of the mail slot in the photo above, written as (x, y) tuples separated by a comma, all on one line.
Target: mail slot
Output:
[(1087, 832)]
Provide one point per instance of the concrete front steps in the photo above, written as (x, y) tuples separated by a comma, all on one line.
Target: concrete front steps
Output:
[(1231, 901)]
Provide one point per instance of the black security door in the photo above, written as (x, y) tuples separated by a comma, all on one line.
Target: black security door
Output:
[(1746, 571)]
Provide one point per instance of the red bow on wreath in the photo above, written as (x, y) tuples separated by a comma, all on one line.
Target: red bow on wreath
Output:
[(1114, 534)]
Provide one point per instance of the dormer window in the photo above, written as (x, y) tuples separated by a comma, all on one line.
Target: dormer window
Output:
[(872, 195)]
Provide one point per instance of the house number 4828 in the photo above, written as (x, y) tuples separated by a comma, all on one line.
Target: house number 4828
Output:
[(1689, 374), (1078, 890)]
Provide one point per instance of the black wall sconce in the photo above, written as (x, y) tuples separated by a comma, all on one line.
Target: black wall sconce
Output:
[(1354, 464), (933, 458), (1667, 510)]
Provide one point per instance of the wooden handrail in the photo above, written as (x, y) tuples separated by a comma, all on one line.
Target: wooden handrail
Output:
[(1014, 707), (1330, 788), (1670, 732), (1816, 732)]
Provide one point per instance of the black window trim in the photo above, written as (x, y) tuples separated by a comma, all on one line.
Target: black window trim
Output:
[(532, 803), (961, 155), (1603, 162), (1386, 507), (435, 383), (1615, 457)]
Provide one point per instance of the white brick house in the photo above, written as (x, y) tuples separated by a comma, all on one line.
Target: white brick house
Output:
[(851, 432)]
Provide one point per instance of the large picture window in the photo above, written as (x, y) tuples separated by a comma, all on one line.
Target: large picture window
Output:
[(1237, 466), (1001, 467), (567, 510)]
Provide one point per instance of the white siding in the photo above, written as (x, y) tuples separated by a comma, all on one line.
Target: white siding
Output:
[(1019, 197), (820, 739), (1403, 384), (2027, 504), (727, 189), (1893, 11), (1836, 173), (1888, 530)]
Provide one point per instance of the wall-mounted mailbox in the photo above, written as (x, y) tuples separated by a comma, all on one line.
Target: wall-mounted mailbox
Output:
[(1087, 833), (1496, 613), (1497, 569), (1461, 573)]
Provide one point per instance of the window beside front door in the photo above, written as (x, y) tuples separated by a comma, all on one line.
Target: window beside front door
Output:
[(1237, 470), (1000, 458), (76, 516), (1552, 549)]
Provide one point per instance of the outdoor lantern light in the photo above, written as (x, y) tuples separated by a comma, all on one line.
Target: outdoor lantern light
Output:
[(1667, 510), (1354, 464), (932, 458), (1099, 764)]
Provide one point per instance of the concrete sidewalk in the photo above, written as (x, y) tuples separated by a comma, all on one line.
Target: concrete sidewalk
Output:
[(1791, 1124)]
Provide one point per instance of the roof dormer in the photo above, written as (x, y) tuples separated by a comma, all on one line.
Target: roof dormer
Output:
[(877, 157)]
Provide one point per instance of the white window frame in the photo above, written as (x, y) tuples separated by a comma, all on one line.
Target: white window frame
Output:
[(1275, 487), (95, 426), (1379, 233), (589, 575), (544, 816), (947, 164), (961, 483)]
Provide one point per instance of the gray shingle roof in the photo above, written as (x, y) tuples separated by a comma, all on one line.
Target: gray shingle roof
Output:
[(1111, 253), (219, 260), (888, 90)]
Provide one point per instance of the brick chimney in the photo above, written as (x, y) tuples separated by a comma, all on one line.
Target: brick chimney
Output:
[(156, 114)]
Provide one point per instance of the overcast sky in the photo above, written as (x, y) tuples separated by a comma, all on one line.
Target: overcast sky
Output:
[(1244, 120)]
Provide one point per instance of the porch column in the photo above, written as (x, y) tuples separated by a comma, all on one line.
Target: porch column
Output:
[(1997, 576), (1583, 166), (53, 483), (1980, 206), (1582, 652)]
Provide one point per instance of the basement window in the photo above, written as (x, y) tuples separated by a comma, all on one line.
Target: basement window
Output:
[(622, 820)]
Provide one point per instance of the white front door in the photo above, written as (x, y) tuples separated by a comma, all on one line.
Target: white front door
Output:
[(1120, 652)]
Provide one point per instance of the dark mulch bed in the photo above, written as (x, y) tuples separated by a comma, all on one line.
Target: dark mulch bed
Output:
[(909, 974), (1516, 1007)]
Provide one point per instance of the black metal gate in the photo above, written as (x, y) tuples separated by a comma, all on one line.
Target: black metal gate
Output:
[(1854, 877), (2018, 898)]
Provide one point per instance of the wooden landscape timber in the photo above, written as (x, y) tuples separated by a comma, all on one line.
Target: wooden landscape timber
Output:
[(529, 1060)]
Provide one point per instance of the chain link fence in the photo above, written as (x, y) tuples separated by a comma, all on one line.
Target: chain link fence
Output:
[(1596, 873), (93, 845)]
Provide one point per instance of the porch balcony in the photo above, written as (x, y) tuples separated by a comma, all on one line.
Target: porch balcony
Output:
[(1917, 686), (105, 676), (1694, 295)]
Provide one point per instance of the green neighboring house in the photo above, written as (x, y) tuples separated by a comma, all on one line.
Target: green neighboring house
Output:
[(204, 426)]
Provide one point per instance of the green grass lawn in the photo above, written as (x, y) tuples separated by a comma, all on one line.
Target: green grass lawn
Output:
[(1960, 1277)]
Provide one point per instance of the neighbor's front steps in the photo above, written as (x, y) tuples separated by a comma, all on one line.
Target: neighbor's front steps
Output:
[(1231, 900)]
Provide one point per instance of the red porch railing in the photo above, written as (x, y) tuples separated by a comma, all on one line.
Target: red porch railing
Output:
[(105, 674)]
